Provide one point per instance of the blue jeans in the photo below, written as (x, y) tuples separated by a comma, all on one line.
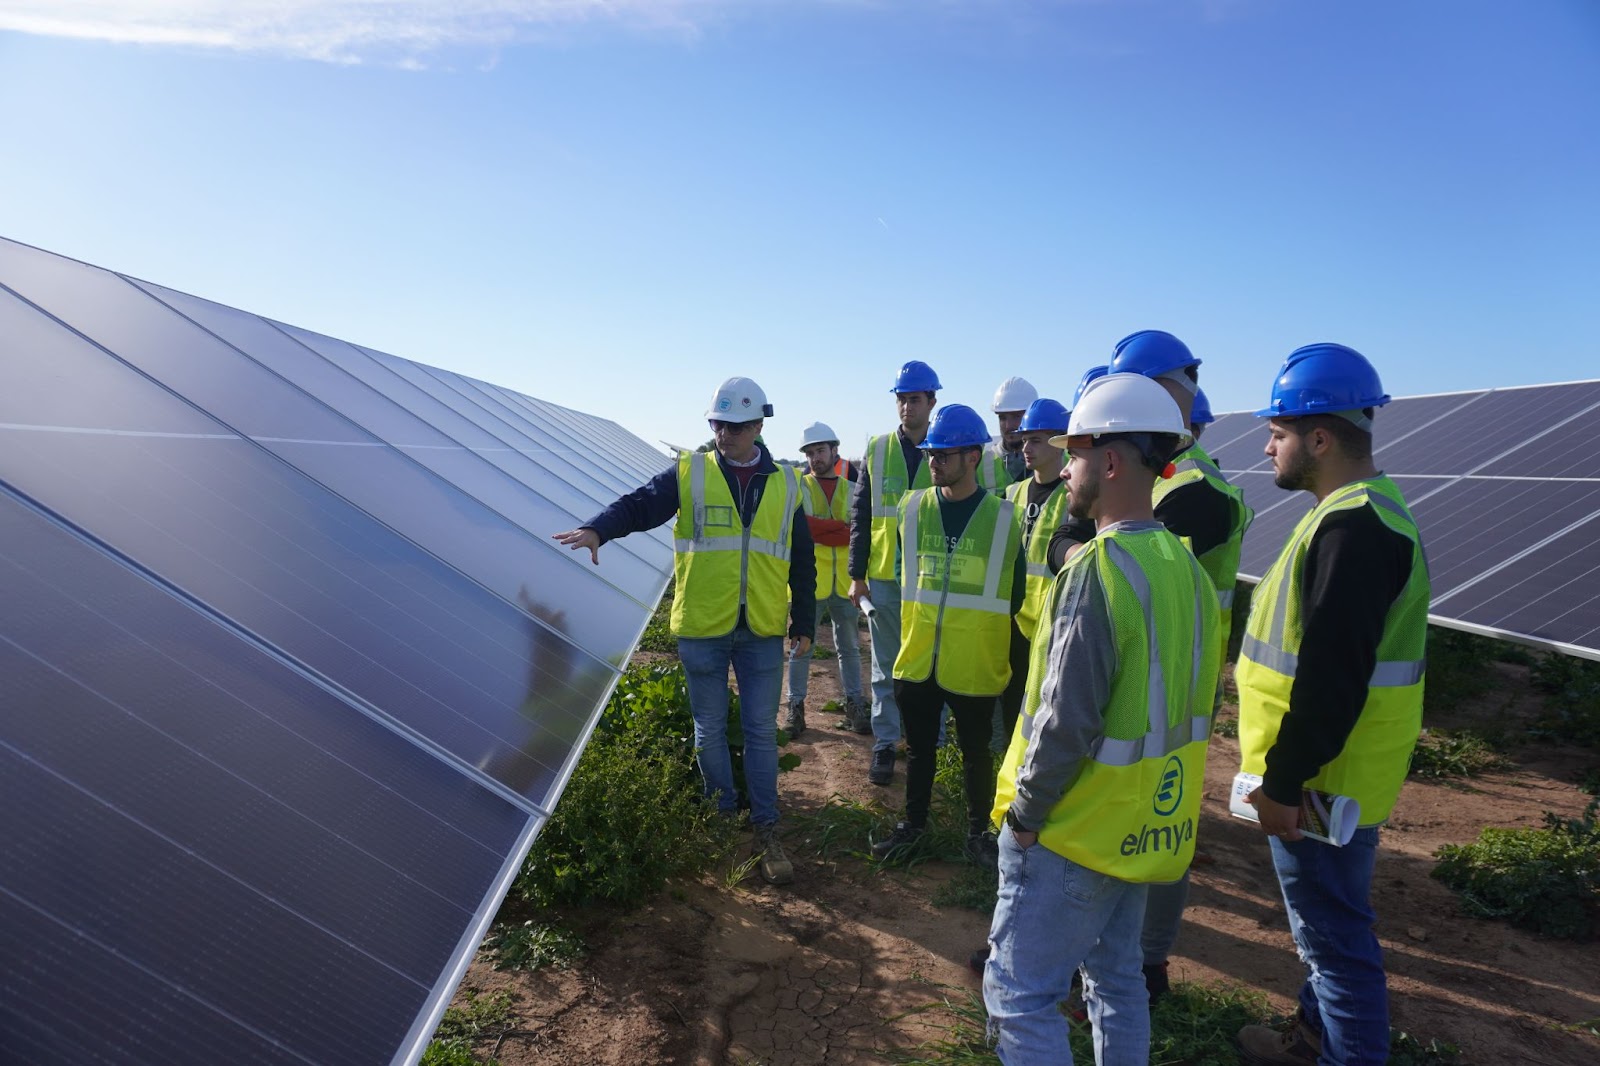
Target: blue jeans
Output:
[(1327, 893), (758, 666), (884, 628), (1052, 916), (842, 615)]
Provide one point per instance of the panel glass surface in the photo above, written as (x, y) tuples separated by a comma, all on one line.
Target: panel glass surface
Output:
[(1465, 441), (1476, 523), (1228, 429), (1244, 450), (228, 861), (285, 420), (1566, 451), (585, 473), (422, 443), (1553, 594), (239, 529), (580, 445), (1414, 416), (643, 462)]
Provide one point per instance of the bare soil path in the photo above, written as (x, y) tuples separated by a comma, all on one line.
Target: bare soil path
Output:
[(834, 968)]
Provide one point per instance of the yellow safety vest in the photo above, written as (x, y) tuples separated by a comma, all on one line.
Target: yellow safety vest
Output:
[(1373, 764), (720, 562), (955, 602), (992, 473), (886, 477), (1221, 563), (1037, 548), (1133, 809), (833, 564)]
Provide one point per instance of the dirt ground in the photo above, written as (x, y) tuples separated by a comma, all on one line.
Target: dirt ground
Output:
[(833, 968)]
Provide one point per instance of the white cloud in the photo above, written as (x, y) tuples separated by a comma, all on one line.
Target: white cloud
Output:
[(393, 32)]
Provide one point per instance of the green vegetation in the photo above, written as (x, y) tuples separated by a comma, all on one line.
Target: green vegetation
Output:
[(1546, 880), (1226, 724), (1193, 1025), (483, 1018), (1572, 699), (631, 816), (532, 945), (1441, 753), (1458, 669)]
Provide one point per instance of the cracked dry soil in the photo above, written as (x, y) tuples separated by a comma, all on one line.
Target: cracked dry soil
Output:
[(836, 967)]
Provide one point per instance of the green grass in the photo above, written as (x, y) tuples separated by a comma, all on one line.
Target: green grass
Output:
[(1193, 1025), (532, 945), (1572, 699), (1442, 753), (1546, 880), (483, 1018), (972, 888), (658, 632)]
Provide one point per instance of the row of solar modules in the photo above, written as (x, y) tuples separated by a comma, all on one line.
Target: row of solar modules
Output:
[(293, 671), (1505, 486)]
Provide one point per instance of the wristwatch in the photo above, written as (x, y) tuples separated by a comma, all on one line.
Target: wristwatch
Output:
[(1015, 824)]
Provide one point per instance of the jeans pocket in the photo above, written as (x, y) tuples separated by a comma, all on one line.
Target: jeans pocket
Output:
[(1081, 883)]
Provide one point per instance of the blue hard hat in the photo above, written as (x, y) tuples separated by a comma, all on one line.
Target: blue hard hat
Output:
[(1151, 352), (1083, 383), (1044, 414), (1323, 379), (916, 376), (1200, 414), (956, 426)]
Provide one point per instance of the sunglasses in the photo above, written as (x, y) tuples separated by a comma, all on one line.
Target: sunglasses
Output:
[(719, 426)]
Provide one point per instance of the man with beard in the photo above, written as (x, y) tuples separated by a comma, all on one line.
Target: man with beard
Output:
[(894, 466), (826, 501), (740, 538), (961, 579), (1330, 680), (1100, 788)]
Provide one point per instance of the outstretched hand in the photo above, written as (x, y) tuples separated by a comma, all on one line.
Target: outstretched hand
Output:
[(583, 537)]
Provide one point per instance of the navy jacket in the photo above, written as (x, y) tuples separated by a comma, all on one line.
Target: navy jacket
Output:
[(656, 502)]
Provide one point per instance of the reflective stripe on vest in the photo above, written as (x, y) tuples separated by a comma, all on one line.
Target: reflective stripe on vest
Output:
[(833, 563), (1373, 763), (1037, 548), (978, 663), (721, 563)]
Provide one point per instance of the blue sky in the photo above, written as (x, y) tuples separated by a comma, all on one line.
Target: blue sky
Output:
[(614, 206)]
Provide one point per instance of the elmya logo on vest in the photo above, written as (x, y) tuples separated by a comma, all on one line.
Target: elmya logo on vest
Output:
[(1169, 792)]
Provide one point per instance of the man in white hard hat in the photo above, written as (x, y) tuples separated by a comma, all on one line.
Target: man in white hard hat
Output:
[(1100, 789), (826, 500), (741, 537), (1003, 463)]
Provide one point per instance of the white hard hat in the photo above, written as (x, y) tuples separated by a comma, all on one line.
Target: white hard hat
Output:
[(1124, 403), (1014, 394), (818, 433), (739, 400)]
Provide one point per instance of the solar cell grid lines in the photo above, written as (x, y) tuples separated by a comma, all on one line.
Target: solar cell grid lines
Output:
[(1505, 487), (294, 672)]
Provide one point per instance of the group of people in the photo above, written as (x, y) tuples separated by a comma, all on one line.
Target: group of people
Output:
[(1066, 590)]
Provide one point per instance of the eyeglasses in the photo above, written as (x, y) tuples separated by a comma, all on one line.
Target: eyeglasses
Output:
[(719, 426), (945, 457)]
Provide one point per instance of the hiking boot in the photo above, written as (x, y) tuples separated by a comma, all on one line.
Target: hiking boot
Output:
[(776, 869), (1156, 982), (982, 849), (861, 717), (900, 844), (1295, 1046), (882, 770), (796, 723)]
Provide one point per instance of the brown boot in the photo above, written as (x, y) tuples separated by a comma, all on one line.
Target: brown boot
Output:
[(1295, 1046)]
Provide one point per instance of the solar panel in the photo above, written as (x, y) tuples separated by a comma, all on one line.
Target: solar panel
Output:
[(293, 671), (1505, 488)]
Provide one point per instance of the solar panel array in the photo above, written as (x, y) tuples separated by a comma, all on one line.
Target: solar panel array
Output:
[(1505, 489), (293, 672)]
